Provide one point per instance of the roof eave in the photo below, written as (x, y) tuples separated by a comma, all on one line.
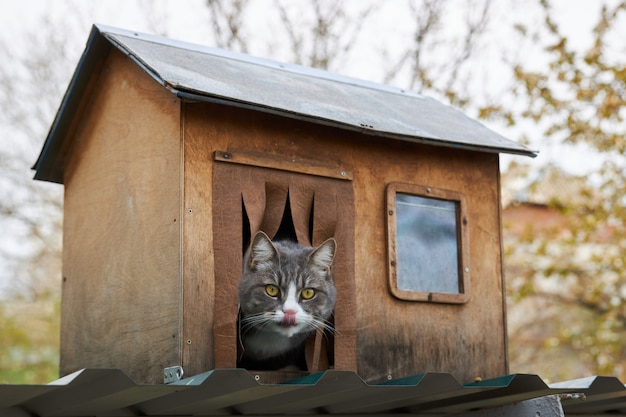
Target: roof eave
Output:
[(50, 163), (195, 96)]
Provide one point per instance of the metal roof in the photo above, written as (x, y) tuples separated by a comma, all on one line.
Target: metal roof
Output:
[(207, 74), (109, 392), (603, 394)]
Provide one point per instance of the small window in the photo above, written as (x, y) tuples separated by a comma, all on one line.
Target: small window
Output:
[(427, 244)]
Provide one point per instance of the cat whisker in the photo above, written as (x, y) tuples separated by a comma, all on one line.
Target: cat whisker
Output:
[(323, 326), (255, 321)]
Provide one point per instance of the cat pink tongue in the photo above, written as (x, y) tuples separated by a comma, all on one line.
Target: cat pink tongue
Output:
[(289, 319)]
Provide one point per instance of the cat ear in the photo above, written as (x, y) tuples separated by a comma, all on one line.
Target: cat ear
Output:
[(262, 251), (324, 254)]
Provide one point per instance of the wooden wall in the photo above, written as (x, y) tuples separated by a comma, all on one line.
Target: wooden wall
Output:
[(121, 261), (397, 337), (394, 338), (139, 286)]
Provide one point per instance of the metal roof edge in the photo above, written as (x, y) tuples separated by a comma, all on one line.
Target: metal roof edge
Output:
[(266, 62), (197, 96), (46, 167), (594, 395)]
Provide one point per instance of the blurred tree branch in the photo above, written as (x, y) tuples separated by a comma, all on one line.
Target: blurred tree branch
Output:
[(30, 211)]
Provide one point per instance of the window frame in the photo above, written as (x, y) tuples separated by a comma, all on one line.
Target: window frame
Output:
[(464, 293)]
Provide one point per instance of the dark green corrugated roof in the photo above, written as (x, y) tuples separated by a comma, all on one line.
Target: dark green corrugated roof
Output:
[(109, 392)]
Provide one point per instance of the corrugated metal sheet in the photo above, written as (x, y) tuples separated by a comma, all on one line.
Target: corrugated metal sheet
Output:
[(109, 392), (603, 395), (207, 74)]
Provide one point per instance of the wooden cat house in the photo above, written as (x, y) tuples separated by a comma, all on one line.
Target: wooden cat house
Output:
[(173, 155)]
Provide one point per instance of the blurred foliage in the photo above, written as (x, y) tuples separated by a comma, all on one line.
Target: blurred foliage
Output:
[(30, 211), (30, 341), (573, 279)]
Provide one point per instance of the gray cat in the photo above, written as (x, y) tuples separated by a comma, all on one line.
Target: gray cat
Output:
[(286, 293)]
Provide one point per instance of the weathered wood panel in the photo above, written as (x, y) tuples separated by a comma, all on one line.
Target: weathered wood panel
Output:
[(121, 264), (398, 337), (394, 337), (198, 257)]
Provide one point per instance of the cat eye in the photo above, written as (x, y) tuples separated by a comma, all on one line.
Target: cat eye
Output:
[(271, 290), (307, 293)]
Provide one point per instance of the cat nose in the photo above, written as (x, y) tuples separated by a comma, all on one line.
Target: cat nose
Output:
[(289, 318)]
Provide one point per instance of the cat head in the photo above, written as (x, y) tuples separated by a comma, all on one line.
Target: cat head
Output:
[(287, 287)]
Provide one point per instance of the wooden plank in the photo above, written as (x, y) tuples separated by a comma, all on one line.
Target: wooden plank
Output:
[(121, 261), (500, 271), (228, 249), (302, 165), (198, 255)]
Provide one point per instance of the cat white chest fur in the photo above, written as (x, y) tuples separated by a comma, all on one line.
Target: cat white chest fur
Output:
[(264, 343)]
